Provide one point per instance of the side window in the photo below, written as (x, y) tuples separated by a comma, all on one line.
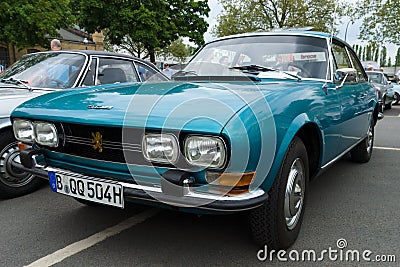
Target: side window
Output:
[(91, 74), (114, 70), (361, 76), (147, 73)]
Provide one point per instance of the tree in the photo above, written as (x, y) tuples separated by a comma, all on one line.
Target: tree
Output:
[(397, 59), (27, 23), (251, 15), (150, 24), (383, 56), (380, 20), (179, 50)]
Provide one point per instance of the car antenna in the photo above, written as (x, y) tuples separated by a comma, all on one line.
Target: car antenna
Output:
[(325, 86)]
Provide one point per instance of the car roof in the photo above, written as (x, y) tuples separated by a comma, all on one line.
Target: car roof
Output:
[(92, 53), (286, 32)]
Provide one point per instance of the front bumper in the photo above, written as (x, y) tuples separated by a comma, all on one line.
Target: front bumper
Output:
[(159, 195)]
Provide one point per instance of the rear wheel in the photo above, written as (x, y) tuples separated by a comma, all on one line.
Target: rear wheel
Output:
[(13, 182), (396, 99), (362, 152), (277, 223)]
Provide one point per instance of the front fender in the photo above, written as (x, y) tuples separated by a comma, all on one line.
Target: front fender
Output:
[(287, 130), (4, 122)]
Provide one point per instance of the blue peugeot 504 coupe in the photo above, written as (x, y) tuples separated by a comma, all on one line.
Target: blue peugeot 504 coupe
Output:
[(243, 127)]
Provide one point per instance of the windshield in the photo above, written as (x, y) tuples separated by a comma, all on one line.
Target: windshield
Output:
[(47, 70), (304, 56)]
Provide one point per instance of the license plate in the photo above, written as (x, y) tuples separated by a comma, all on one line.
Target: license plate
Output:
[(99, 191)]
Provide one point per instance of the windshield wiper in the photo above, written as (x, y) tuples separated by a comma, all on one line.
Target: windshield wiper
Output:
[(17, 82), (184, 73), (256, 69)]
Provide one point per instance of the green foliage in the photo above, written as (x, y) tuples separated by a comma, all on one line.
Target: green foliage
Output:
[(179, 50), (383, 56), (397, 59), (251, 15), (380, 20), (28, 22), (151, 24)]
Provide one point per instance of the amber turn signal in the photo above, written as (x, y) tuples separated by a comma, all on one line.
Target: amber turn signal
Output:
[(231, 179), (22, 146)]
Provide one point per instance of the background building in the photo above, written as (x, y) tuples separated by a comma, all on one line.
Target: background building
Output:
[(71, 39)]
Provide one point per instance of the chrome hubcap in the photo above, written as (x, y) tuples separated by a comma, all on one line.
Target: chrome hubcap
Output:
[(294, 194), (8, 174)]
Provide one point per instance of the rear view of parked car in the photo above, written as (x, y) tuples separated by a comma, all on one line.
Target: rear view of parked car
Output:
[(40, 73), (243, 127)]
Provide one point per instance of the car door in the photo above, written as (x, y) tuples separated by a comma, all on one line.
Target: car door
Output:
[(352, 97)]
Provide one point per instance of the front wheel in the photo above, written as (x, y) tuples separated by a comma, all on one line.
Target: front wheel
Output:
[(277, 222), (13, 182), (362, 152)]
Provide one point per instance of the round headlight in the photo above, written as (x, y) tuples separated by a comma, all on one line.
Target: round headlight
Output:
[(205, 151), (23, 131), (46, 134)]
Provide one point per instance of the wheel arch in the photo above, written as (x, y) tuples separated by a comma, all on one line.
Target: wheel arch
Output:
[(310, 134), (311, 137), (375, 114), (5, 128)]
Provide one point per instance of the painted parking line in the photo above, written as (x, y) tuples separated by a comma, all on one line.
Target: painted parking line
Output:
[(387, 148), (92, 240)]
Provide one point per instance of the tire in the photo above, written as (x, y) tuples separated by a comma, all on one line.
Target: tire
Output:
[(362, 152), (14, 183), (388, 106), (396, 99), (277, 222)]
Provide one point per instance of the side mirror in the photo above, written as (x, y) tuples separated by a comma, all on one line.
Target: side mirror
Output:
[(345, 76)]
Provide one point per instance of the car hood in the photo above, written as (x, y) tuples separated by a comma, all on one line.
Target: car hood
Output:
[(12, 96), (176, 106)]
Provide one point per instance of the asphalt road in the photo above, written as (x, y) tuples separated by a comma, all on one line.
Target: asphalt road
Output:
[(355, 202)]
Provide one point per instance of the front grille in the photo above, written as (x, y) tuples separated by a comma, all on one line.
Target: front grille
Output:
[(102, 143)]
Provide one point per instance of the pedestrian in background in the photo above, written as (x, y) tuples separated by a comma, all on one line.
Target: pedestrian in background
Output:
[(167, 71), (55, 44)]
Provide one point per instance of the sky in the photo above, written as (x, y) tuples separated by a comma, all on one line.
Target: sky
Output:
[(351, 38)]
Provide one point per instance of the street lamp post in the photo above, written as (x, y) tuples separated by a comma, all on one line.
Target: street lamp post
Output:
[(345, 33)]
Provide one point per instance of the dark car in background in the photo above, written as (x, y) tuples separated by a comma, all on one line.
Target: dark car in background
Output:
[(383, 88), (39, 73)]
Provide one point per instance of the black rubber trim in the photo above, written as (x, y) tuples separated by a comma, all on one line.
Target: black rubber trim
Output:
[(35, 171)]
